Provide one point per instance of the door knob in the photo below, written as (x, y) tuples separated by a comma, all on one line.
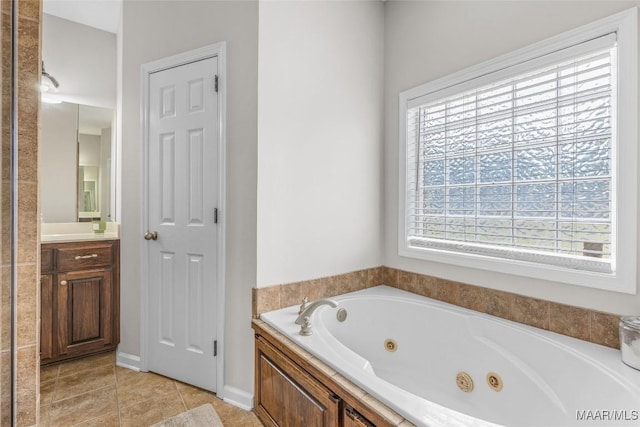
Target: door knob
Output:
[(151, 235), (63, 282)]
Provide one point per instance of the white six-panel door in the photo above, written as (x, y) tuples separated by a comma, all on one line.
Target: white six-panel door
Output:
[(182, 196)]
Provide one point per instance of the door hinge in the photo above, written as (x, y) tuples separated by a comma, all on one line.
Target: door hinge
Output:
[(215, 348), (215, 216), (216, 83)]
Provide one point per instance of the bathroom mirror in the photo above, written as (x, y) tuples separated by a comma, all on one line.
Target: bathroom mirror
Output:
[(77, 152), (95, 142), (76, 149)]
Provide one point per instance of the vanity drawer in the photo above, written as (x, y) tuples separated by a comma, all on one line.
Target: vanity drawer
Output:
[(84, 256)]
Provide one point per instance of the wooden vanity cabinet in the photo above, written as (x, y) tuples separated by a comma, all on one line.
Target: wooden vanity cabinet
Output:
[(80, 299), (290, 392), (46, 316)]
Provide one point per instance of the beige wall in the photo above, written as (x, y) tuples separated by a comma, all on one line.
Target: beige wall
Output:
[(319, 139), (427, 40), (82, 59), (156, 29)]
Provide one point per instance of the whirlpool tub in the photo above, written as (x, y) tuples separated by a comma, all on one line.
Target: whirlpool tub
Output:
[(441, 365)]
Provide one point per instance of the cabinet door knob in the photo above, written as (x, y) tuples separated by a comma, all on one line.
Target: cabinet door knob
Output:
[(63, 282)]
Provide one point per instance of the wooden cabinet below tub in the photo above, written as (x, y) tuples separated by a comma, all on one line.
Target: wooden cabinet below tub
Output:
[(292, 392), (287, 396), (80, 299)]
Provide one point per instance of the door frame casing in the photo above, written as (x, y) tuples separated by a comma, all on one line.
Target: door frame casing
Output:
[(214, 50)]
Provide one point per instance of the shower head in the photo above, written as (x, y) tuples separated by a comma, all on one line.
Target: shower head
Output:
[(52, 79)]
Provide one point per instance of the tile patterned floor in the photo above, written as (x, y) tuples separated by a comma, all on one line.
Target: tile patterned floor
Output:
[(94, 392)]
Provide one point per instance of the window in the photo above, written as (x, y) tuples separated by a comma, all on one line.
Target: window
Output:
[(526, 164)]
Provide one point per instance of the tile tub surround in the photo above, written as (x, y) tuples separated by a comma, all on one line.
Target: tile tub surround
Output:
[(279, 296), (27, 295), (585, 324)]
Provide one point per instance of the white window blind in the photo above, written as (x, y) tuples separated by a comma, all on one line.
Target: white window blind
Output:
[(519, 167)]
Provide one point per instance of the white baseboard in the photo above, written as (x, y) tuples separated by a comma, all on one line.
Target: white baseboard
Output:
[(129, 361), (237, 397), (232, 395)]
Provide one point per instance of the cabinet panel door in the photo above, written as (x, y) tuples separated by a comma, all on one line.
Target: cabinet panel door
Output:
[(84, 311), (46, 316), (288, 397)]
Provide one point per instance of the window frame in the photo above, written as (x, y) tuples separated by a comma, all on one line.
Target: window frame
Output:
[(624, 158)]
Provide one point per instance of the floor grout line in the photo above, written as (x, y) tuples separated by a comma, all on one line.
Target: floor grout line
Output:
[(115, 372), (116, 386), (53, 393), (84, 392), (175, 383)]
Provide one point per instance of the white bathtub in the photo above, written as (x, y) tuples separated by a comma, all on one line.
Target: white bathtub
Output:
[(548, 379)]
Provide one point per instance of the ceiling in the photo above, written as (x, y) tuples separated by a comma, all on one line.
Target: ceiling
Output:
[(101, 14)]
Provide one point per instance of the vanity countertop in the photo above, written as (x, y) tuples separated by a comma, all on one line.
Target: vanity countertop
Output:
[(76, 232)]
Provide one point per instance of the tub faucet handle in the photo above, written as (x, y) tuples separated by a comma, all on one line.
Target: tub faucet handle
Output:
[(306, 327), (303, 306)]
